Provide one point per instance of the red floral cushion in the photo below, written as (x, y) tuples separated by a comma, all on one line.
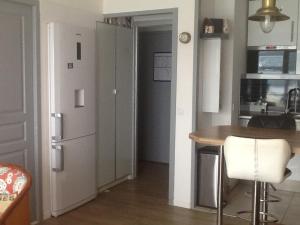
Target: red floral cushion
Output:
[(12, 181)]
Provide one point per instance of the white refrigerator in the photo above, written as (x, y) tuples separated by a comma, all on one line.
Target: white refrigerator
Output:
[(72, 116)]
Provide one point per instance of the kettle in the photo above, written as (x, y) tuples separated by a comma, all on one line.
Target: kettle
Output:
[(293, 101)]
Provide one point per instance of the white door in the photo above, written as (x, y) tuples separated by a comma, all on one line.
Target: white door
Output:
[(115, 102), (73, 74), (124, 102), (283, 34), (17, 112), (106, 102)]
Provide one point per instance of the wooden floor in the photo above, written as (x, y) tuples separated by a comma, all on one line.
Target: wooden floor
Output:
[(139, 202)]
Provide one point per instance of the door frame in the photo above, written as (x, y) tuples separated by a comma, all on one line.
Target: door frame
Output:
[(155, 18), (34, 4)]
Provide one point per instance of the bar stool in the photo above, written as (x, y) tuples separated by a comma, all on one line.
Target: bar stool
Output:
[(284, 122), (258, 160)]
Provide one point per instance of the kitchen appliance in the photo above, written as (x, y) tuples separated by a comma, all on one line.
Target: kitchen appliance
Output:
[(271, 60), (207, 177), (259, 106), (293, 101), (72, 116)]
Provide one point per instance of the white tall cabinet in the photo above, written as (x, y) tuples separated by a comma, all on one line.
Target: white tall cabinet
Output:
[(115, 103), (283, 34)]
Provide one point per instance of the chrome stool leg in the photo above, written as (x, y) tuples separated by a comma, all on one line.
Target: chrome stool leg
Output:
[(265, 199), (256, 203), (265, 205), (267, 217)]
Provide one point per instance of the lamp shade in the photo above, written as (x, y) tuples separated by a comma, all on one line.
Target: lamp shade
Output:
[(268, 9)]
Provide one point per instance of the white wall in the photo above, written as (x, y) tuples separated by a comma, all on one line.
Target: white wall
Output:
[(186, 71), (82, 13), (120, 6), (240, 31)]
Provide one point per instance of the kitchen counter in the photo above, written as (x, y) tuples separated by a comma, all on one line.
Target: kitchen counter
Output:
[(217, 135)]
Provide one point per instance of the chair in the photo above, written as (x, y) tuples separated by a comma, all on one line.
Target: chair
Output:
[(15, 183), (283, 121), (258, 160)]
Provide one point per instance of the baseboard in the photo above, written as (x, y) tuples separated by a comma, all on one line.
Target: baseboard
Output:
[(72, 207), (114, 183), (289, 185), (186, 205), (204, 209), (171, 202), (34, 223), (130, 177), (46, 215)]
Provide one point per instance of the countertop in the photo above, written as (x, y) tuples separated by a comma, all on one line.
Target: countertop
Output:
[(217, 135)]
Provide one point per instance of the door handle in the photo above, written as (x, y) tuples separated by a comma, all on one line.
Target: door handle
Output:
[(115, 91), (57, 126), (57, 158), (292, 30)]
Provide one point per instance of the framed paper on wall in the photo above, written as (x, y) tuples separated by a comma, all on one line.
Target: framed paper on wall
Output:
[(162, 66)]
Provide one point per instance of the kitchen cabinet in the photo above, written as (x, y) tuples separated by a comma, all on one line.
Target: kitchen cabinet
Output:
[(283, 34), (211, 79), (115, 103)]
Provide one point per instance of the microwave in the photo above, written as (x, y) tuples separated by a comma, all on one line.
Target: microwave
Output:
[(272, 61)]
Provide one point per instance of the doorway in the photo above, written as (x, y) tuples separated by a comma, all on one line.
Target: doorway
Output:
[(147, 23), (155, 83), (154, 102)]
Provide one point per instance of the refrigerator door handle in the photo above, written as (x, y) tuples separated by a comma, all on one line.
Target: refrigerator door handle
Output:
[(57, 126), (57, 158)]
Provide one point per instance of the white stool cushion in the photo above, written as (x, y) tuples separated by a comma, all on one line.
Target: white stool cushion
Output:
[(263, 160)]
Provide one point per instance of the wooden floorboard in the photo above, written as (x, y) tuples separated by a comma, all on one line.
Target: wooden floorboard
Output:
[(143, 201)]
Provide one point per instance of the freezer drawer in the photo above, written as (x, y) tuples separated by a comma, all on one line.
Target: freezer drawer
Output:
[(73, 183)]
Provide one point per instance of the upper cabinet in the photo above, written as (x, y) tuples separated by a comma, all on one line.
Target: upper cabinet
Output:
[(283, 34)]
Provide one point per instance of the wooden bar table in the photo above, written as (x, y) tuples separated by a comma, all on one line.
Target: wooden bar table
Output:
[(216, 136)]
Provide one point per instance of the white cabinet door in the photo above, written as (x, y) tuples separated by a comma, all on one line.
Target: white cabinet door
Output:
[(124, 102), (283, 34), (106, 103), (115, 102)]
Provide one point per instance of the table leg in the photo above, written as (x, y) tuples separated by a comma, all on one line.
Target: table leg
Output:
[(220, 187)]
